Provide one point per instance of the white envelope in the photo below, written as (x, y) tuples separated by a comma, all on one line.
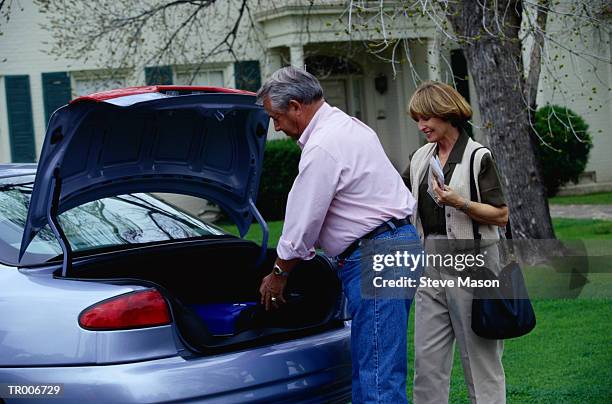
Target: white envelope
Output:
[(435, 170)]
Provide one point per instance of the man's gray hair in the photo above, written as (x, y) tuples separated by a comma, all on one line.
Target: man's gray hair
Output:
[(290, 83)]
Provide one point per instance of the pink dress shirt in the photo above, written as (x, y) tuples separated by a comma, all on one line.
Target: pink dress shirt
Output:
[(346, 187)]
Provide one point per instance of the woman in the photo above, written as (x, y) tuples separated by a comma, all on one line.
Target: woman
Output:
[(442, 314)]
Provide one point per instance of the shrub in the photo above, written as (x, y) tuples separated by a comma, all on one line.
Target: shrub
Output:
[(280, 167), (569, 143)]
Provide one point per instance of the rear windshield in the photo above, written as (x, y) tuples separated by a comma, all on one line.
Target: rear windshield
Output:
[(109, 222)]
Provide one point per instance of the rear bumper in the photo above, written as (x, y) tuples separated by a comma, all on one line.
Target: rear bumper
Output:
[(311, 369)]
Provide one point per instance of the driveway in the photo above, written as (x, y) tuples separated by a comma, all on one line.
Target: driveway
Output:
[(582, 211)]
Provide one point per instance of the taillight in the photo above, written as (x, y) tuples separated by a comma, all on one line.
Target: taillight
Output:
[(139, 309)]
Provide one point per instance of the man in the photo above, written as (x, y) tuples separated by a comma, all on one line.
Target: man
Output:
[(346, 190)]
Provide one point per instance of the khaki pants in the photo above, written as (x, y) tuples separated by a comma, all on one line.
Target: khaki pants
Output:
[(443, 315)]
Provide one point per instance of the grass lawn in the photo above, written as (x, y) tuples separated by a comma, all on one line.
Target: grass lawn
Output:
[(566, 359), (567, 229), (275, 228), (603, 198), (592, 229)]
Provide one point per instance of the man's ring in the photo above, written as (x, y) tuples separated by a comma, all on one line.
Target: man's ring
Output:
[(273, 299)]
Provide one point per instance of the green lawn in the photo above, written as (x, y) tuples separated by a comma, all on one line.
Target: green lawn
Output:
[(567, 358), (254, 234), (603, 198), (592, 229), (564, 228)]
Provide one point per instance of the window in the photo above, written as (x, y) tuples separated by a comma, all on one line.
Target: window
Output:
[(213, 78), (109, 222), (89, 82)]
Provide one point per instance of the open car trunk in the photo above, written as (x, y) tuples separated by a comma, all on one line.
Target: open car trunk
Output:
[(198, 141), (216, 274)]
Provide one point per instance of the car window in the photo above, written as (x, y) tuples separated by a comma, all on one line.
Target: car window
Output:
[(116, 221)]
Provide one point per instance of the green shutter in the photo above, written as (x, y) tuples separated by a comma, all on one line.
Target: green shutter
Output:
[(21, 125), (158, 75), (56, 92), (247, 75)]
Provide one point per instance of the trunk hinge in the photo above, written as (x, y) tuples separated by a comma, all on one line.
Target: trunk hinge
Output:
[(55, 224), (264, 232)]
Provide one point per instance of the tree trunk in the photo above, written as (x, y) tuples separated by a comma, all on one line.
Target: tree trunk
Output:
[(495, 62)]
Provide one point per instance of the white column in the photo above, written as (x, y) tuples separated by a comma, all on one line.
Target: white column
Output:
[(433, 58), (38, 112), (5, 145), (273, 62), (408, 132), (297, 55)]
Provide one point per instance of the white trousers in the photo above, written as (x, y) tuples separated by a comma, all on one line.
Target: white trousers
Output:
[(443, 316)]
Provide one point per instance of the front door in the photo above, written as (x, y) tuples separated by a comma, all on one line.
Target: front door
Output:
[(345, 94)]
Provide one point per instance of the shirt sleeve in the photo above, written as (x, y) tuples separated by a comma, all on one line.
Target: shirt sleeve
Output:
[(312, 192), (489, 183)]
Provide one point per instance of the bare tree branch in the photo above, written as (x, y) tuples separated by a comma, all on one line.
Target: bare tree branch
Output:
[(148, 32)]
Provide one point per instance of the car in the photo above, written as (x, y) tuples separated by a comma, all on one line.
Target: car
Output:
[(108, 293)]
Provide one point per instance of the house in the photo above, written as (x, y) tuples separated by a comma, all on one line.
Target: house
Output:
[(33, 83)]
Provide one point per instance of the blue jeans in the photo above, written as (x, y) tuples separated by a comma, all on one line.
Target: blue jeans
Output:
[(379, 330)]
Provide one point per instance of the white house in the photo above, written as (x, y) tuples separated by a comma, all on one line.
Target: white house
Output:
[(33, 84)]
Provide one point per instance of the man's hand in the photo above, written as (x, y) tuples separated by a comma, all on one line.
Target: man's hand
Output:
[(271, 290)]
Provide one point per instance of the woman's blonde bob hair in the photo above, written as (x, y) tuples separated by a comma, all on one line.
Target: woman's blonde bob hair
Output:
[(439, 100)]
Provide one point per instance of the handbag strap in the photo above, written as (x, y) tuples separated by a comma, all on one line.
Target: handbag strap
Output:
[(474, 197)]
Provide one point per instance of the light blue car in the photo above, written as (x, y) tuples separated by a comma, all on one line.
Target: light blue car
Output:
[(109, 294)]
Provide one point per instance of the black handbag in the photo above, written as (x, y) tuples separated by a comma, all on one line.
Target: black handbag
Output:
[(504, 312)]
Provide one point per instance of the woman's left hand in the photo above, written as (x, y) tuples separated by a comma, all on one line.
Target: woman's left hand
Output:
[(447, 196), (481, 212)]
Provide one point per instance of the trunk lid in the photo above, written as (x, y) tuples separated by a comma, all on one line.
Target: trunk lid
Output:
[(199, 141)]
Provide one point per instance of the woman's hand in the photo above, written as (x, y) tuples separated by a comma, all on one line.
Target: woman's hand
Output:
[(447, 196), (481, 212)]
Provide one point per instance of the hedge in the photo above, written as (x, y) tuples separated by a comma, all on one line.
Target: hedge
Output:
[(563, 146), (280, 167)]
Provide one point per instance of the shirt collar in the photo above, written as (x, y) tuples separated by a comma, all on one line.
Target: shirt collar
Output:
[(456, 153), (323, 110)]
